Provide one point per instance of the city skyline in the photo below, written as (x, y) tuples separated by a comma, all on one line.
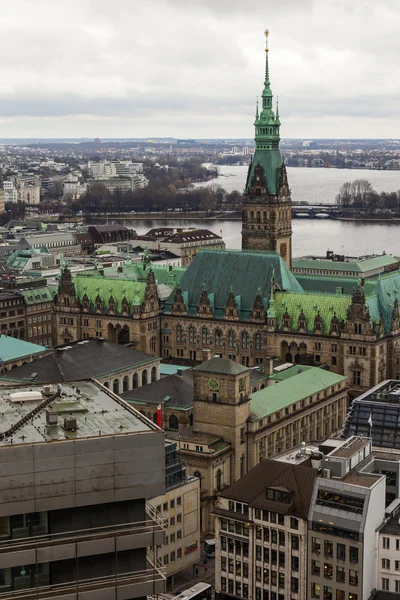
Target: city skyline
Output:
[(155, 70)]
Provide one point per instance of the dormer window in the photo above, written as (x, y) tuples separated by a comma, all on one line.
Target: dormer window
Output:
[(358, 328), (278, 494)]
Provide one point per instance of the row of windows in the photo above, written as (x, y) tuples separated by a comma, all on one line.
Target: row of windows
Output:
[(387, 587), (40, 330), (326, 593), (171, 504), (39, 318), (343, 552), (386, 543), (273, 517), (328, 572), (245, 338), (172, 557), (171, 538)]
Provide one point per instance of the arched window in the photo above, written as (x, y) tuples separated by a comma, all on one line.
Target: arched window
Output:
[(259, 342), (358, 328), (153, 374), (231, 338), (205, 336), (179, 333), (218, 480), (155, 418), (135, 381), (258, 217), (144, 377), (245, 340), (116, 386), (125, 384), (153, 344), (173, 422), (252, 216), (192, 335), (106, 384), (218, 338)]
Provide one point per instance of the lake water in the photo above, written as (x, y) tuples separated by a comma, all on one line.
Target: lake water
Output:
[(309, 236), (313, 185)]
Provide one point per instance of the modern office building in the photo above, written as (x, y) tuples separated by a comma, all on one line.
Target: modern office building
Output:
[(78, 465), (376, 413)]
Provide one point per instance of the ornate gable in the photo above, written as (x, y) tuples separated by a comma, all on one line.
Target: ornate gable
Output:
[(204, 309), (286, 324), (257, 314), (258, 184), (66, 295), (283, 188), (178, 306), (151, 303), (231, 311), (395, 325), (318, 323), (358, 316), (302, 322)]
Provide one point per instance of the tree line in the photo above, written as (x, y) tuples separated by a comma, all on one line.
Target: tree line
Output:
[(360, 195)]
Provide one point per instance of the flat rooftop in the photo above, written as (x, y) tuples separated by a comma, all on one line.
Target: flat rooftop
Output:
[(349, 448), (366, 480), (25, 413)]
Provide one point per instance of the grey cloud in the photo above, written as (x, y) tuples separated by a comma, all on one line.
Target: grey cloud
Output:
[(195, 65)]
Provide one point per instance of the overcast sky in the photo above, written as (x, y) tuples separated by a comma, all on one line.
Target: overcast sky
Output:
[(193, 68)]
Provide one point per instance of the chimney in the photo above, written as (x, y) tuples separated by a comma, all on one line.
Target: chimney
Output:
[(268, 365)]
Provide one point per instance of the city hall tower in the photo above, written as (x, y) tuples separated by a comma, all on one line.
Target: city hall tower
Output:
[(266, 205)]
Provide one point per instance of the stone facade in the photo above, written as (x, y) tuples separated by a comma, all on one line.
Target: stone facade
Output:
[(229, 436), (87, 315)]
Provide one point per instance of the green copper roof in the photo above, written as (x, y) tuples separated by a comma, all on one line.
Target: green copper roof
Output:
[(246, 272), (360, 267), (13, 349), (267, 137), (95, 284), (38, 295), (327, 305), (289, 372), (138, 271), (304, 383), (326, 284), (380, 295)]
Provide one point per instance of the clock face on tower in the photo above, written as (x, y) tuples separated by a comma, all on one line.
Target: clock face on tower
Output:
[(213, 384), (242, 384)]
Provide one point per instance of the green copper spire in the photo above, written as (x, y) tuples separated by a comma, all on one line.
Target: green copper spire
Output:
[(267, 136)]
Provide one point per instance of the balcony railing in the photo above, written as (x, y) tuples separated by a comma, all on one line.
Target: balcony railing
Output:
[(154, 523), (85, 586)]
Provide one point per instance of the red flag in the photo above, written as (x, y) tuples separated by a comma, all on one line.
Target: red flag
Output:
[(159, 415)]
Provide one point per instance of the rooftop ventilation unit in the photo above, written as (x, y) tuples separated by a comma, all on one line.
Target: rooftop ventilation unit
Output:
[(51, 417), (70, 423)]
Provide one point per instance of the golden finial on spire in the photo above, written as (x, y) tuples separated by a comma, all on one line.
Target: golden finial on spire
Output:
[(266, 33)]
